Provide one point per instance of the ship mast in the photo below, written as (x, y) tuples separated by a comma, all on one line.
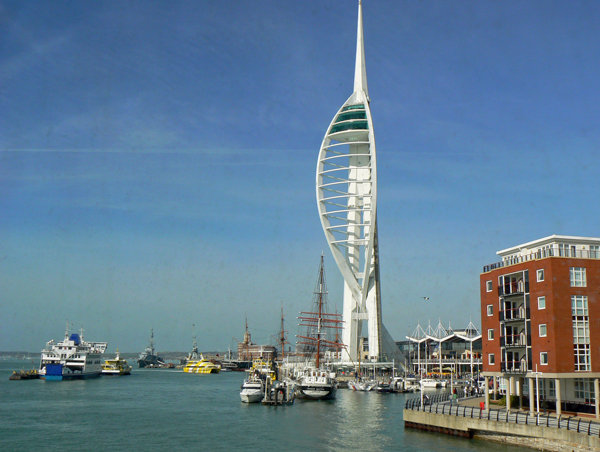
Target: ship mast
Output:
[(318, 321), (282, 338)]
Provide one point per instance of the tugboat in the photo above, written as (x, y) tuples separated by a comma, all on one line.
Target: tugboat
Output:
[(24, 375), (72, 358), (116, 366), (316, 381), (149, 358)]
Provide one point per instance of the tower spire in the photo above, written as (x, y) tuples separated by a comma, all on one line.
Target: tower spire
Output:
[(360, 71)]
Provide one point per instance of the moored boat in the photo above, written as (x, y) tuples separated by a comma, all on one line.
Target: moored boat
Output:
[(71, 358), (430, 383), (315, 381), (253, 389), (260, 375)]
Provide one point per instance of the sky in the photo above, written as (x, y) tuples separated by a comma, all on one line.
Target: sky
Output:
[(158, 159)]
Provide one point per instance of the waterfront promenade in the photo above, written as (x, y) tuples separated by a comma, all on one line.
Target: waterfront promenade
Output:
[(468, 418)]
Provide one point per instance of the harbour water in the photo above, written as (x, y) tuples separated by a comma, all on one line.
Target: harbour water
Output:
[(158, 410)]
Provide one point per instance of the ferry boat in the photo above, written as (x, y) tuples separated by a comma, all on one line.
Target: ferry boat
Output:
[(116, 366), (71, 358), (201, 366), (195, 363)]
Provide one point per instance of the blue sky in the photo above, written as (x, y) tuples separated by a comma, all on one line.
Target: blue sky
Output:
[(157, 159)]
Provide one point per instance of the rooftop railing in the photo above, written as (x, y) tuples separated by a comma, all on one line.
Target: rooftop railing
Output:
[(554, 251)]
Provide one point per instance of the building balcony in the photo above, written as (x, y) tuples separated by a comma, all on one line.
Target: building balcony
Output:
[(513, 367), (513, 315), (513, 341), (507, 293)]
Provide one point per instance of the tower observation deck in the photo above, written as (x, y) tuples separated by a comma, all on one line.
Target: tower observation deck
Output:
[(347, 203)]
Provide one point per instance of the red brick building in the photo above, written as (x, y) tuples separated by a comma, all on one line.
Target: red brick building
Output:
[(540, 316)]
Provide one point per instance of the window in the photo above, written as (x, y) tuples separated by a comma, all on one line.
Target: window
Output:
[(540, 275), (491, 359), (584, 388), (552, 385), (565, 250), (595, 251), (491, 334), (581, 332), (578, 277), (543, 330), (541, 302), (544, 358), (490, 309), (488, 286)]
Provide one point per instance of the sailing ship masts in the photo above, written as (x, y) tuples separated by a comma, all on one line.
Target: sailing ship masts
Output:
[(313, 341)]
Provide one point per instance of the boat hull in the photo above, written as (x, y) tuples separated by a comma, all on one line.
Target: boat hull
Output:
[(71, 376), (316, 392), (252, 395)]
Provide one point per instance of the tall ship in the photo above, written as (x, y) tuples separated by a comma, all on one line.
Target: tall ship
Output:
[(320, 340), (71, 358), (149, 357)]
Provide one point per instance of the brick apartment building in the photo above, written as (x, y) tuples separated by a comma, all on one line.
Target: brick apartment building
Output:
[(540, 316)]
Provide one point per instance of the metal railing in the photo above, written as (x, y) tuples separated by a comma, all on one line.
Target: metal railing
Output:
[(517, 367), (572, 423), (513, 340), (554, 251)]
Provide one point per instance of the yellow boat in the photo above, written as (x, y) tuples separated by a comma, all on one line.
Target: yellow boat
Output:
[(263, 367), (201, 366), (116, 366)]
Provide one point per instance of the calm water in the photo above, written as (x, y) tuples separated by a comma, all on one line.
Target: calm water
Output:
[(158, 410)]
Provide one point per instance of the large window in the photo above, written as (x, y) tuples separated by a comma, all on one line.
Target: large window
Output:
[(578, 277), (595, 251), (584, 388), (581, 332)]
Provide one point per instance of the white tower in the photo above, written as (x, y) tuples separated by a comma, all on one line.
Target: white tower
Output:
[(347, 202)]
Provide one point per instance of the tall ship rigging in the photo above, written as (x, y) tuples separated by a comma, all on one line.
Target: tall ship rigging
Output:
[(319, 343)]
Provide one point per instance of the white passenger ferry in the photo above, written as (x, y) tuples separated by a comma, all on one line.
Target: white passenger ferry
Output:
[(71, 358)]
